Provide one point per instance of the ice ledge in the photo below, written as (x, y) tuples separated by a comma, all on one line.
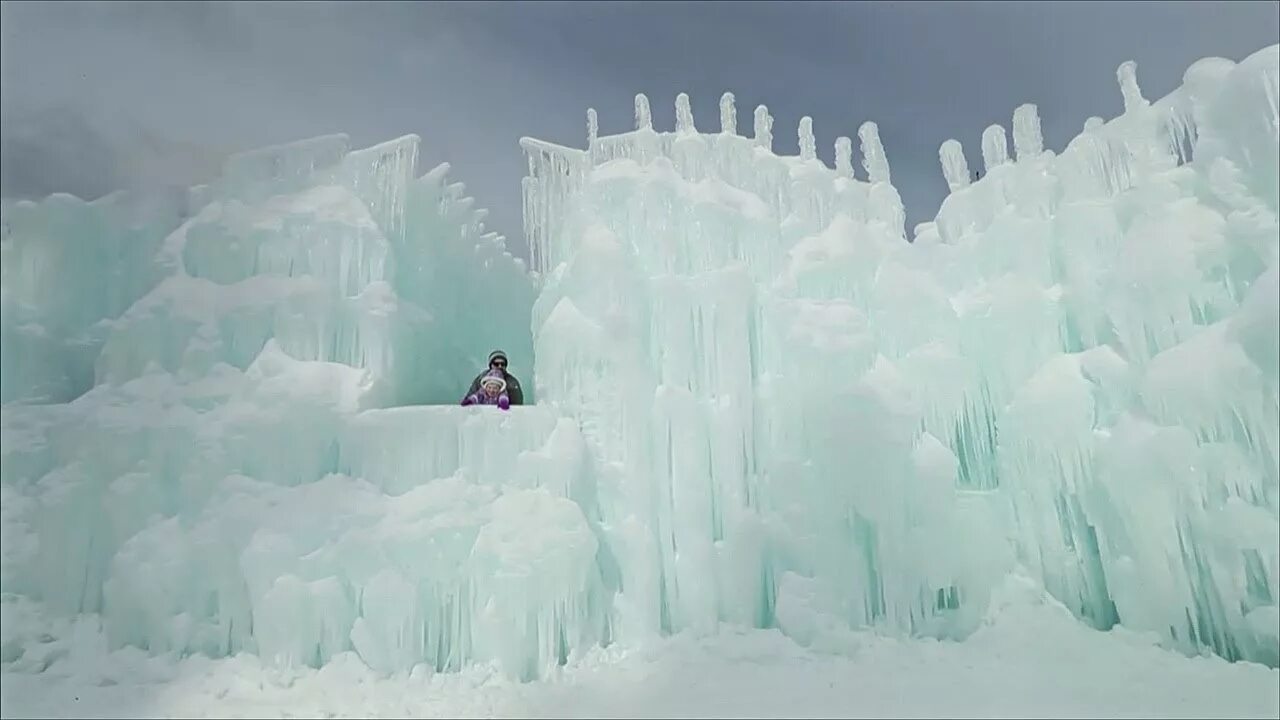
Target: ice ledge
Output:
[(398, 449)]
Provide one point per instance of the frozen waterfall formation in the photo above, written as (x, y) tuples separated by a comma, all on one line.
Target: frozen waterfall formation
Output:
[(757, 402)]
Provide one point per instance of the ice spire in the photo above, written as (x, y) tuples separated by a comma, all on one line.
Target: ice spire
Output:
[(954, 167), (644, 119), (873, 158), (728, 115), (1027, 140), (764, 128), (808, 145), (1092, 124), (684, 115), (844, 157), (995, 147), (1127, 75), (593, 128)]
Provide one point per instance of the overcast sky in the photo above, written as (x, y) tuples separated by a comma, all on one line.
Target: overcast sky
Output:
[(97, 96)]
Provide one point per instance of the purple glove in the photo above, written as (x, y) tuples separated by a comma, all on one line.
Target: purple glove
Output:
[(469, 400), (504, 402)]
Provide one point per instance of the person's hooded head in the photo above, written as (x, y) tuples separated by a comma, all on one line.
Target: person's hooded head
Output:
[(498, 360), (493, 383)]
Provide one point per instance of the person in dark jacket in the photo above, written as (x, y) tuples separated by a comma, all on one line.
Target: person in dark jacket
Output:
[(498, 361)]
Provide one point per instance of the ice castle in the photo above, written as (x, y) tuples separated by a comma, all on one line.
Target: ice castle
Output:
[(230, 424)]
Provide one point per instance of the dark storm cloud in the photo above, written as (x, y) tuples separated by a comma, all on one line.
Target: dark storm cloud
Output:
[(104, 95)]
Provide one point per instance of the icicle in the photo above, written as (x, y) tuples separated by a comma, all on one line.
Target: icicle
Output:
[(844, 157), (873, 157), (1127, 75), (1027, 140), (995, 147), (593, 128), (684, 115), (954, 167), (764, 128), (728, 115), (644, 119), (808, 145)]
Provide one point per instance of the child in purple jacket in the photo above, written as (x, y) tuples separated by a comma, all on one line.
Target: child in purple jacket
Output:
[(493, 391)]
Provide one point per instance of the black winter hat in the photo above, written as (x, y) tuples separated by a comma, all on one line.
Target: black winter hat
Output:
[(497, 354)]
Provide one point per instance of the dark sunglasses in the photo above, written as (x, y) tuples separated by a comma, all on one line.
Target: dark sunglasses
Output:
[(498, 363)]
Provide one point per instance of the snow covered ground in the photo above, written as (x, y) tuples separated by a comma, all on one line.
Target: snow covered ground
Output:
[(1030, 659)]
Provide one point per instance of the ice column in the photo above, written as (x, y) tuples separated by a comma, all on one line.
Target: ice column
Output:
[(1127, 75), (954, 167), (995, 147), (644, 119), (764, 128), (808, 145), (1027, 140), (873, 157), (728, 115), (684, 115), (844, 157)]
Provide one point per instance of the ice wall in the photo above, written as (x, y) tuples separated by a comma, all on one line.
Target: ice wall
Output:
[(340, 255), (205, 438), (799, 418), (70, 267)]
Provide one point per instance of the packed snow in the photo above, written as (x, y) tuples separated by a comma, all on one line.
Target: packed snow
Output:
[(780, 460), (1028, 658)]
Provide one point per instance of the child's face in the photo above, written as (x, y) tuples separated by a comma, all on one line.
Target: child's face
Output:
[(491, 389)]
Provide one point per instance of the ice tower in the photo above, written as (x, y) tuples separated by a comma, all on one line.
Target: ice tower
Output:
[(797, 418), (230, 423)]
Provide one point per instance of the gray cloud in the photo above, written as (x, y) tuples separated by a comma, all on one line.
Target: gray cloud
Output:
[(100, 95)]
